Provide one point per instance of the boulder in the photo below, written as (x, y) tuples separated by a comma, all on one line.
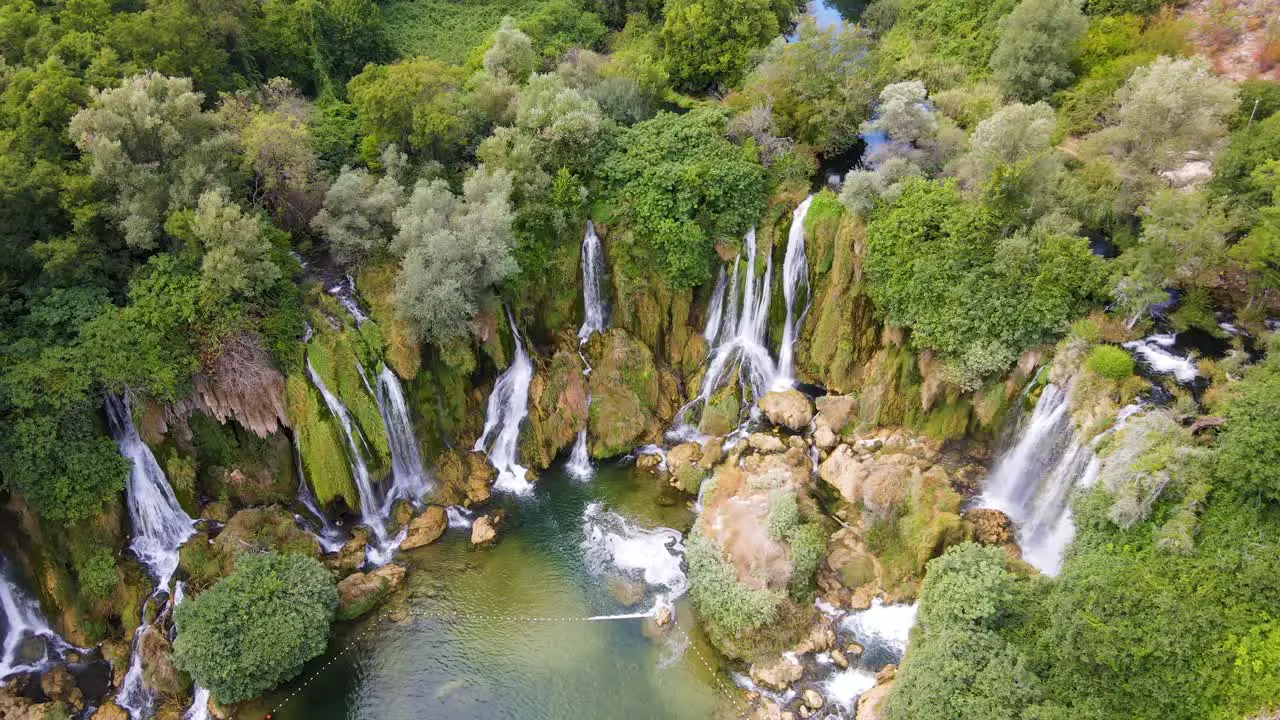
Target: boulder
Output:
[(425, 528), (824, 437), (871, 702), (625, 392), (557, 407), (351, 556), (835, 411), (777, 675), (682, 463), (712, 453), (648, 461), (820, 639), (765, 443), (361, 592), (109, 711), (878, 483), (788, 408), (839, 658), (812, 699), (260, 529), (58, 684), (721, 413), (401, 513), (484, 529), (991, 526), (159, 674)]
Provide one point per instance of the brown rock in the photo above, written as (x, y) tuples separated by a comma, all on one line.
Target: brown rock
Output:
[(158, 671), (991, 526), (359, 593), (871, 702), (788, 408), (812, 699), (352, 554), (58, 684), (712, 452), (110, 711), (627, 592), (484, 529), (835, 411), (777, 675), (887, 674), (821, 638), (425, 528), (839, 658), (765, 443)]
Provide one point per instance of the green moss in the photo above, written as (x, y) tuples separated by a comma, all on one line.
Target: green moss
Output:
[(265, 465), (720, 416), (320, 444), (337, 357), (1110, 362)]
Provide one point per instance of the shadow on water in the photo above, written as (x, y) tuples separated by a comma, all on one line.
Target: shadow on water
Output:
[(434, 663)]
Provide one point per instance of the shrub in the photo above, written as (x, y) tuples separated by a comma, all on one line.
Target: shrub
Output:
[(255, 628), (730, 606), (97, 574), (1111, 362)]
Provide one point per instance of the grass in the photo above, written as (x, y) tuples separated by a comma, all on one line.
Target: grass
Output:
[(447, 30)]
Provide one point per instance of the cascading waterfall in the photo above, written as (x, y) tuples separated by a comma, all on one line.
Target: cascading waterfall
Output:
[(370, 506), (1033, 479), (409, 480), (593, 320), (795, 274), (160, 526), (23, 622), (508, 405)]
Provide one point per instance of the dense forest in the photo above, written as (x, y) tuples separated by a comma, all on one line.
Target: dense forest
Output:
[(243, 240)]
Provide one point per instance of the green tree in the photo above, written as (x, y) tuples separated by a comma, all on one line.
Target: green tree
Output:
[(357, 215), (511, 56), (151, 145), (558, 25), (1037, 47), (707, 42), (255, 628), (682, 187), (455, 250), (237, 248), (1248, 454), (819, 86), (417, 104), (1012, 156)]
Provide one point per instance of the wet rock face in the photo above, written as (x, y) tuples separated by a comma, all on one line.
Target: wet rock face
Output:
[(465, 477), (361, 592), (991, 527), (159, 673), (777, 674), (625, 394), (425, 528), (791, 409), (557, 408)]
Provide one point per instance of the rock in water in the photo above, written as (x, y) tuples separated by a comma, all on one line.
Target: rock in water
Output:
[(777, 675), (812, 699), (484, 529), (159, 673), (359, 593), (628, 593), (58, 684), (425, 528), (789, 408), (110, 711)]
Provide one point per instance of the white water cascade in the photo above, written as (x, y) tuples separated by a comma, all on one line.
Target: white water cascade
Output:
[(593, 321), (330, 536), (22, 622), (409, 480), (1033, 479), (381, 547), (1157, 352), (795, 274), (160, 526), (508, 405), (613, 545)]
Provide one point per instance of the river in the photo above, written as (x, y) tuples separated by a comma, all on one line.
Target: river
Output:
[(433, 664)]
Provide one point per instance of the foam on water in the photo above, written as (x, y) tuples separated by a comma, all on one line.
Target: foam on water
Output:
[(1156, 352), (883, 627), (845, 687), (611, 543)]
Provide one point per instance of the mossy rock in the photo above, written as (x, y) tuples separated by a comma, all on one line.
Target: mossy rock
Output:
[(239, 467), (337, 358), (320, 445), (720, 416), (625, 394), (557, 408), (403, 349)]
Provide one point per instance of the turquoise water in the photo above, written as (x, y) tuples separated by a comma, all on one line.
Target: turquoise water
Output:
[(433, 664)]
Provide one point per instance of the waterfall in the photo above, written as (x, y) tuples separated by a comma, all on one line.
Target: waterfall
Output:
[(795, 273), (330, 536), (345, 293), (159, 524), (1033, 479), (23, 622), (1156, 352), (593, 304), (458, 516), (370, 507), (508, 406), (716, 310), (159, 528), (409, 481), (593, 321), (199, 709)]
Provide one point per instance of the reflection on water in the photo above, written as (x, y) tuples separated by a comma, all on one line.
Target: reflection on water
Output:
[(433, 664)]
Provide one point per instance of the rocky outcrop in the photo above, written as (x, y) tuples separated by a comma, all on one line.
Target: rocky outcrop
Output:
[(683, 462), (351, 556), (723, 409), (110, 711), (625, 394), (465, 477), (361, 592), (250, 530), (485, 529), (59, 686), (159, 674), (426, 528), (791, 409), (777, 674), (557, 407)]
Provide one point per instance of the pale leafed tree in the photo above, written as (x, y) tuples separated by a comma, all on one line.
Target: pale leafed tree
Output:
[(1037, 46), (237, 249), (512, 55), (357, 215)]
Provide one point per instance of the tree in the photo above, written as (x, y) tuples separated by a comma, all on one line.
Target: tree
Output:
[(819, 86), (1183, 244), (1011, 154), (1165, 110), (455, 250), (417, 104), (257, 627), (1248, 456), (558, 25), (357, 215), (682, 187), (567, 123), (1038, 42), (237, 262), (150, 144), (511, 56), (706, 42)]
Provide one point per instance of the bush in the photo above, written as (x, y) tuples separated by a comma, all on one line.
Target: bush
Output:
[(1111, 362), (255, 628), (727, 604), (1249, 448), (97, 574)]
